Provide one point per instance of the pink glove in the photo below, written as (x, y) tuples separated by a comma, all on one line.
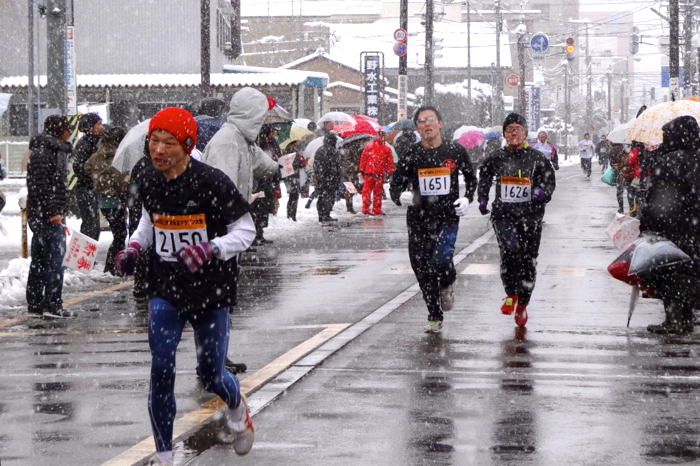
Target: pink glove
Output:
[(125, 260), (195, 256)]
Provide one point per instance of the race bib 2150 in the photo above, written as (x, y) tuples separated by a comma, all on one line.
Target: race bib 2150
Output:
[(174, 232)]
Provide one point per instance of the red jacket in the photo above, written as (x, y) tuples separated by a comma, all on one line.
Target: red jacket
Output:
[(633, 160), (376, 159)]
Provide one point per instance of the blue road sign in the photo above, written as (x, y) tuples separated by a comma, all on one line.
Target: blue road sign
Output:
[(539, 42)]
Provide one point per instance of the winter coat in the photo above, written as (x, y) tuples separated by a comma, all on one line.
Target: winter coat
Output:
[(107, 180), (603, 148), (525, 164), (586, 148), (327, 164), (672, 202), (376, 159), (433, 207), (46, 177), (233, 149), (350, 159), (618, 161), (633, 160), (404, 141), (83, 151)]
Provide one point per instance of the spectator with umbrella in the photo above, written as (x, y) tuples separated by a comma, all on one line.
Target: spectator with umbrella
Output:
[(672, 210)]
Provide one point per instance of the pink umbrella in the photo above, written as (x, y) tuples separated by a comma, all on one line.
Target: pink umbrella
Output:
[(471, 139)]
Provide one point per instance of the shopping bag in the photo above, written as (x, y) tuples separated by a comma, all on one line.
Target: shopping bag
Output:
[(623, 231), (81, 251), (609, 177)]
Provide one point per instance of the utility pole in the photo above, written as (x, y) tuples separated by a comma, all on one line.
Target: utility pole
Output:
[(55, 55), (673, 60), (469, 53), (521, 63), (31, 111), (429, 84), (402, 108), (610, 97), (688, 48), (204, 42), (589, 91), (567, 110), (498, 110), (623, 111)]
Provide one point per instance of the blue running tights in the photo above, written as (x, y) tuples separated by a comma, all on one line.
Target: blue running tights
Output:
[(165, 327)]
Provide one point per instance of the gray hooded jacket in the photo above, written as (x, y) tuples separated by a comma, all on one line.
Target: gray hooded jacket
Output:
[(233, 149)]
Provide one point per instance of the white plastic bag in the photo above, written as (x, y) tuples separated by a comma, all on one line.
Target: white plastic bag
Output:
[(623, 231)]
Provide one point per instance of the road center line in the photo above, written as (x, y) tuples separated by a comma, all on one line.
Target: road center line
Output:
[(143, 450), (280, 374)]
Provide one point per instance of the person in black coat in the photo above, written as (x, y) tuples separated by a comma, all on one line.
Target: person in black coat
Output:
[(404, 141), (524, 185), (431, 169), (91, 125), (46, 206), (327, 172), (671, 208)]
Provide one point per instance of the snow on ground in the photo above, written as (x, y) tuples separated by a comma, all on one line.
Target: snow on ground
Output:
[(13, 277)]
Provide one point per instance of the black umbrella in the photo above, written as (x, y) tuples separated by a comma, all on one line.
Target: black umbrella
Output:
[(655, 254)]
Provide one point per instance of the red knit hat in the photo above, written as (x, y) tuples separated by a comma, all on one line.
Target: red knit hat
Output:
[(178, 122)]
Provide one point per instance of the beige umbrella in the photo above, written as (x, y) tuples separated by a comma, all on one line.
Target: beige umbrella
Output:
[(646, 128)]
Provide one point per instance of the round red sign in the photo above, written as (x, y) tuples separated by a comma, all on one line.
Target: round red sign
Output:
[(513, 80)]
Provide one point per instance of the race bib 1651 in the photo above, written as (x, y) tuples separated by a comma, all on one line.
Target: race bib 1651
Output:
[(434, 181)]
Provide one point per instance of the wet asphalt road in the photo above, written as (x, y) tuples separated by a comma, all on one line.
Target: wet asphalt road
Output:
[(332, 319)]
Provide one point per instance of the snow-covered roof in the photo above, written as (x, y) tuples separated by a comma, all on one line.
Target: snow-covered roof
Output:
[(272, 78), (353, 39), (310, 8), (353, 87), (316, 54)]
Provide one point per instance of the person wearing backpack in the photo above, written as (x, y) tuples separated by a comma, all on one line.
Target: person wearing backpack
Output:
[(111, 187)]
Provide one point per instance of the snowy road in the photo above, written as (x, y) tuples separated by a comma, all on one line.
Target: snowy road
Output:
[(341, 373)]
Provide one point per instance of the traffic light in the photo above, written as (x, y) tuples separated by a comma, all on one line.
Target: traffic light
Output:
[(634, 40), (569, 48)]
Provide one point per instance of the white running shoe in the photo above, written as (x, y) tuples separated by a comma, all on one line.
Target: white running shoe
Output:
[(434, 326), (163, 458), (447, 298), (242, 429)]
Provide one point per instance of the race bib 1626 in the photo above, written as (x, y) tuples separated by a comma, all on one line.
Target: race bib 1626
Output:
[(515, 189)]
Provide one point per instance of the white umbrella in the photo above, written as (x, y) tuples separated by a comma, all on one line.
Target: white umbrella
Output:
[(131, 149), (337, 117), (618, 135), (464, 129), (301, 122), (314, 145)]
